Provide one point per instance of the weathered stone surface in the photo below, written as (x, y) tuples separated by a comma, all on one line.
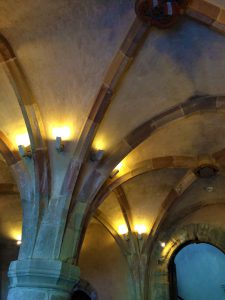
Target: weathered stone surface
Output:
[(40, 279)]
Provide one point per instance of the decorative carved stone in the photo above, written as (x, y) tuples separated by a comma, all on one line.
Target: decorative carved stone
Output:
[(206, 171), (159, 13)]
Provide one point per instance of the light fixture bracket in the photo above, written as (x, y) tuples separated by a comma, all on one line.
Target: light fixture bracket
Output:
[(139, 236), (59, 144), (206, 171), (97, 155), (126, 236), (114, 173), (25, 151)]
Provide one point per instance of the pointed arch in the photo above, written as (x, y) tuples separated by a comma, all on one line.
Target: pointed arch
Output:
[(35, 192)]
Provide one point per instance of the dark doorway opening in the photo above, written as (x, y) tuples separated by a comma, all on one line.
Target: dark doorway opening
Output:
[(197, 271), (80, 295)]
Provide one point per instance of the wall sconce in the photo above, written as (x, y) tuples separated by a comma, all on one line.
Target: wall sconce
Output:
[(140, 229), (116, 170), (18, 242), (25, 151), (97, 155), (123, 230), (58, 144), (60, 134), (163, 244), (114, 173), (209, 189), (23, 142)]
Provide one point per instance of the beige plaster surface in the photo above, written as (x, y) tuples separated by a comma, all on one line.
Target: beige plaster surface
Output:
[(146, 193), (111, 208), (171, 67), (192, 136), (64, 50), (103, 265)]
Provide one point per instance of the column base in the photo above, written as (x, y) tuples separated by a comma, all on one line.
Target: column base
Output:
[(39, 279)]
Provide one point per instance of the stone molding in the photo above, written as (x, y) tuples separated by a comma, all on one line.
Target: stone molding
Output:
[(207, 13), (176, 238), (86, 287), (41, 274)]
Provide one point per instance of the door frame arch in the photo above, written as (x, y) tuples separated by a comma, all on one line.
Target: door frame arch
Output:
[(87, 288), (176, 239), (172, 266)]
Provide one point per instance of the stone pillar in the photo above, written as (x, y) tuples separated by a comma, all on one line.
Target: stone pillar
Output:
[(39, 279), (160, 286)]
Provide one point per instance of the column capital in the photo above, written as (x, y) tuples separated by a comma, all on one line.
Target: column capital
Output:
[(48, 277)]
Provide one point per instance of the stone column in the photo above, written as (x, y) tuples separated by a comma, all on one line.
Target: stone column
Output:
[(160, 286), (39, 279)]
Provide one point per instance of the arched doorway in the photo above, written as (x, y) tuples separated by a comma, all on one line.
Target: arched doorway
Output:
[(80, 295), (197, 271)]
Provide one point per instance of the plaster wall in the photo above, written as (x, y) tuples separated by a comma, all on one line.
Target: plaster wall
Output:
[(147, 192), (8, 253), (111, 208), (64, 49), (11, 120), (170, 67), (103, 265), (11, 217), (198, 193), (213, 215), (189, 136)]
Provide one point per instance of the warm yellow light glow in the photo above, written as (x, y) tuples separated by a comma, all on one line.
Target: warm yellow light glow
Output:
[(118, 170), (163, 244), (122, 229), (19, 242), (23, 140), (63, 132), (15, 234), (140, 228), (18, 237), (99, 145), (119, 166)]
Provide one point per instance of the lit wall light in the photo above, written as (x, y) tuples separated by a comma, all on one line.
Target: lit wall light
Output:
[(16, 235), (99, 144), (209, 189), (63, 132), (140, 229), (23, 139), (123, 230), (23, 143), (119, 166), (60, 134), (18, 242), (116, 170), (163, 244)]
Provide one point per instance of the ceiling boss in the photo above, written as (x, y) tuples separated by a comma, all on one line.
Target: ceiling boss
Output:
[(160, 13)]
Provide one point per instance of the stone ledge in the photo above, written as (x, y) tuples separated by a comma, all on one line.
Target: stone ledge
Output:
[(38, 273)]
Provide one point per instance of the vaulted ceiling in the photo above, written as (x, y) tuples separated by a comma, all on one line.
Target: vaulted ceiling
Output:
[(175, 83)]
